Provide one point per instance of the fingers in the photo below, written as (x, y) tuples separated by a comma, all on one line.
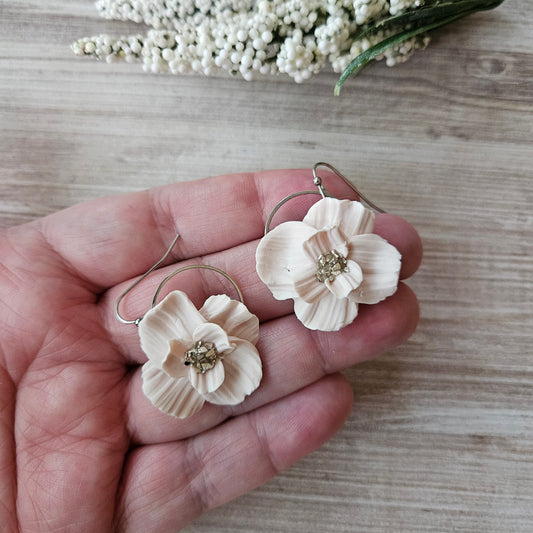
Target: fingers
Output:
[(239, 262), (293, 357), (401, 234), (109, 240), (179, 481)]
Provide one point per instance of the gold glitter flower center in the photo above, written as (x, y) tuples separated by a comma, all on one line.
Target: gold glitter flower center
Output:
[(202, 356), (330, 265)]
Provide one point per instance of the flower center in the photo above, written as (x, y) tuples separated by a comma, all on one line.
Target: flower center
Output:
[(330, 265), (203, 356)]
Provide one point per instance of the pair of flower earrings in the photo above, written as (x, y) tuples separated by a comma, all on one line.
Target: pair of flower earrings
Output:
[(328, 263)]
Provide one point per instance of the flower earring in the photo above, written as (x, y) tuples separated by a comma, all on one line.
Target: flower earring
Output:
[(330, 262), (196, 355)]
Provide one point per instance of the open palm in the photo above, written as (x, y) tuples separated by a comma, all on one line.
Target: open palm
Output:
[(82, 449)]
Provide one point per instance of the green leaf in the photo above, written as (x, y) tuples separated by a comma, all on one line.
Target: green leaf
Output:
[(426, 18), (434, 9)]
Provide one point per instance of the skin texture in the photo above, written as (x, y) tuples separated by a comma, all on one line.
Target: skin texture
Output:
[(81, 448)]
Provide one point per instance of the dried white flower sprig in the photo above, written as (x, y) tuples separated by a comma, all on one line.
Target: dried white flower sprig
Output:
[(266, 37), (244, 37)]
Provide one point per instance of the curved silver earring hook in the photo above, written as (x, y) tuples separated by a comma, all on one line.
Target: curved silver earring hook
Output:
[(317, 180), (137, 321), (322, 191), (134, 284), (190, 267)]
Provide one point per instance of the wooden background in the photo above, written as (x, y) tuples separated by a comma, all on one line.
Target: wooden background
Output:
[(441, 436)]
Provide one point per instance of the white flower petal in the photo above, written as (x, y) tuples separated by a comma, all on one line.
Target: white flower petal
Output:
[(327, 314), (243, 374), (232, 316), (325, 241), (307, 285), (380, 263), (175, 317), (279, 253), (212, 333), (346, 282), (175, 397), (352, 217), (173, 363), (208, 382)]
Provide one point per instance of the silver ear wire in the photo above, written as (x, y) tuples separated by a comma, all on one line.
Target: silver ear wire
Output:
[(190, 267), (317, 180), (322, 191), (137, 321), (134, 284)]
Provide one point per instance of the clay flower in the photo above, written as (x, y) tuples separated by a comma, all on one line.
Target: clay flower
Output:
[(202, 355), (329, 263)]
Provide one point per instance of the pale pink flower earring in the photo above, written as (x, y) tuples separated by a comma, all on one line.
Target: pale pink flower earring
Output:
[(196, 355), (330, 262)]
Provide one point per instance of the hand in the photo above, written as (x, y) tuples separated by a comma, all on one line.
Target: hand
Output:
[(82, 448)]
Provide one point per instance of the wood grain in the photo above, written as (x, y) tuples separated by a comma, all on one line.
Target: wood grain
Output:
[(441, 437)]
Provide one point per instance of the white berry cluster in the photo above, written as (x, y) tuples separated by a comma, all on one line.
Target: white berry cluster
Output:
[(245, 37), (396, 6)]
